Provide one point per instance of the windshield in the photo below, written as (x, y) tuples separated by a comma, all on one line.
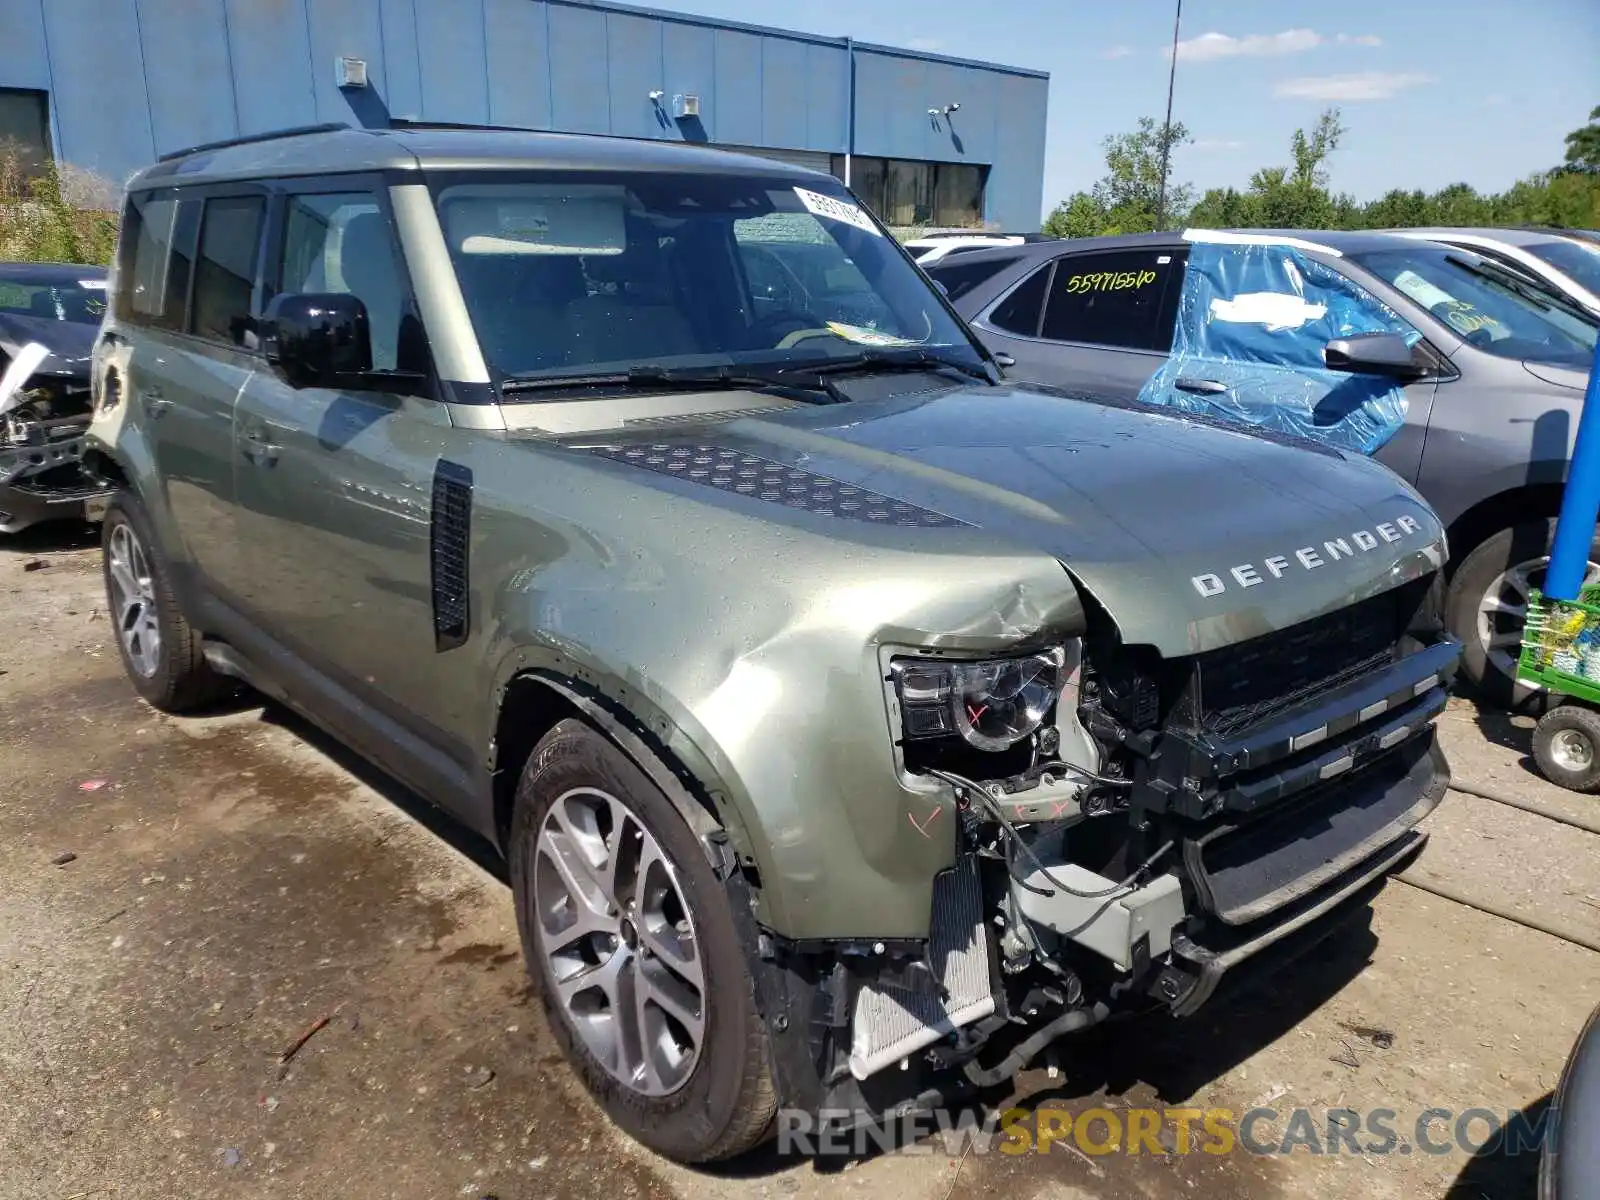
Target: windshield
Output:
[(1577, 260), (52, 298), (579, 274), (1484, 304)]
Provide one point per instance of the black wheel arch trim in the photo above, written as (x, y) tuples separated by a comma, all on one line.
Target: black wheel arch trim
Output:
[(705, 818)]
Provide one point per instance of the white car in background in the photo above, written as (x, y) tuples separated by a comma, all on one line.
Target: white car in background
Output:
[(1568, 262), (935, 247)]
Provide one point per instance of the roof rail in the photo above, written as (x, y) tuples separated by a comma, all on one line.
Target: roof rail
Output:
[(247, 139), (411, 123)]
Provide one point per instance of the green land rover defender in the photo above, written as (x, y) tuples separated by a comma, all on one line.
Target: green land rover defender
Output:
[(853, 723)]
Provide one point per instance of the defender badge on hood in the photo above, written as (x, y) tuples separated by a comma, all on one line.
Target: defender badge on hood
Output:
[(1308, 558)]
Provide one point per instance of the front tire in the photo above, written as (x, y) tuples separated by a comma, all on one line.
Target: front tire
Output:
[(1487, 605), (630, 941), (1566, 745), (160, 651)]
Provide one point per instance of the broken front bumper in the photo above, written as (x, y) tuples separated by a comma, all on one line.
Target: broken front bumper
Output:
[(1275, 826), (42, 479)]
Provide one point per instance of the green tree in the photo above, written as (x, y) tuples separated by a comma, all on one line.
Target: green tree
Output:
[(1583, 146), (1080, 215), (1311, 153), (1399, 209), (1226, 208), (1460, 204), (1131, 188), (43, 213), (1296, 196), (1126, 199)]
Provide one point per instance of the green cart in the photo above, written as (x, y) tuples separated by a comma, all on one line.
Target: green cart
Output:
[(1561, 652)]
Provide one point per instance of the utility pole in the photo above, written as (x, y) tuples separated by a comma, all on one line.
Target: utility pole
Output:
[(1166, 130)]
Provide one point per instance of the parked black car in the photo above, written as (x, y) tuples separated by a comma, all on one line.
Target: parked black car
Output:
[(57, 306)]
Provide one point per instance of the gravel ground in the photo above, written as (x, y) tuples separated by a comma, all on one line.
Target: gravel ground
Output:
[(239, 882)]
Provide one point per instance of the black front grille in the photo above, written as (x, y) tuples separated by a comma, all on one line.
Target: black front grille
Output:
[(1253, 681)]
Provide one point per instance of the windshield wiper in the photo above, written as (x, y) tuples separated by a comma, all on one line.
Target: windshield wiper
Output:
[(653, 378), (1525, 286), (908, 358)]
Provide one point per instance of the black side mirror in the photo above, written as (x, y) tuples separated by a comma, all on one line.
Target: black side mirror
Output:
[(1373, 354), (317, 340)]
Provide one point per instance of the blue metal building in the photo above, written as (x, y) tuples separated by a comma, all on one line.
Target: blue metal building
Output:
[(925, 139)]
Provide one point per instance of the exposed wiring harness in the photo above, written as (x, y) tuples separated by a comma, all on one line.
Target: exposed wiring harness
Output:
[(1014, 840), (1067, 768)]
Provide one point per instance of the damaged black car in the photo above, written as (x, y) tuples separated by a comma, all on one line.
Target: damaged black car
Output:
[(49, 315)]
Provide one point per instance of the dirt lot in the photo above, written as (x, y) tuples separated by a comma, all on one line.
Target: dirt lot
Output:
[(237, 880)]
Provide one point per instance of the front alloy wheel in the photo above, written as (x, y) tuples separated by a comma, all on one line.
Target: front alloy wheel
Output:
[(635, 951), (618, 942)]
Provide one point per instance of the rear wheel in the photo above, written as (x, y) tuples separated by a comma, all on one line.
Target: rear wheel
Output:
[(1566, 745), (1488, 604), (630, 941)]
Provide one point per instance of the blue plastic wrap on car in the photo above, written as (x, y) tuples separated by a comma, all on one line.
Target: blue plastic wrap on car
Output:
[(1254, 317)]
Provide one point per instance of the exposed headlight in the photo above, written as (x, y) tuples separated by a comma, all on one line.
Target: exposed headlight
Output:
[(992, 704)]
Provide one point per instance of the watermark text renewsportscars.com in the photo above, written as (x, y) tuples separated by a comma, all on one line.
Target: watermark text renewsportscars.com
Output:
[(1170, 1131)]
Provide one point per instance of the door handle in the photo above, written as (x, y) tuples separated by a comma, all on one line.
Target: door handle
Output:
[(258, 447), (1002, 359), (1200, 387)]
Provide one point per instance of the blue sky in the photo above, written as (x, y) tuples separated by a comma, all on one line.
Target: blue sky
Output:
[(1474, 91)]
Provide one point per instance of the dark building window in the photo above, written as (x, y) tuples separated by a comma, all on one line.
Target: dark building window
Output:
[(25, 127), (904, 192)]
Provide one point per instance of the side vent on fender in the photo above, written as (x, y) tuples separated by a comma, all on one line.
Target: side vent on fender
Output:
[(451, 541)]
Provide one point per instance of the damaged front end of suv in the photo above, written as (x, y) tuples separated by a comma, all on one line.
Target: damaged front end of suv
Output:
[(1132, 823)]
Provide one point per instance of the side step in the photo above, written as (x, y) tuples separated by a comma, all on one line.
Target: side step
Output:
[(893, 1022)]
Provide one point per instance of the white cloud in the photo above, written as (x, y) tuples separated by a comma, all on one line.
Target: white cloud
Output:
[(1359, 39), (1217, 144), (1363, 85), (1209, 46), (1116, 52), (927, 45)]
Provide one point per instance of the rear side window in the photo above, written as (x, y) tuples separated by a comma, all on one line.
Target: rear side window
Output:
[(961, 277), (1113, 299), (157, 260), (225, 272), (1020, 311)]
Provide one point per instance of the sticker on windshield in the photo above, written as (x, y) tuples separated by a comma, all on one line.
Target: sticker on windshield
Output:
[(92, 285), (861, 335), (836, 210)]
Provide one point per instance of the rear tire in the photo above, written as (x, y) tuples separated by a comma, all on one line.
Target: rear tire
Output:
[(1485, 605), (1566, 745), (618, 907), (160, 651)]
